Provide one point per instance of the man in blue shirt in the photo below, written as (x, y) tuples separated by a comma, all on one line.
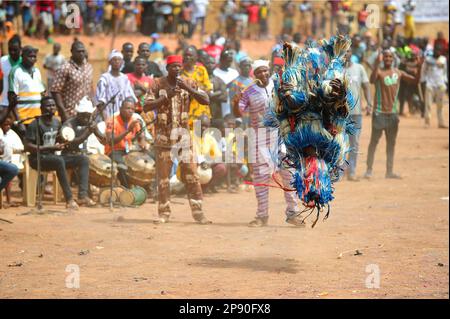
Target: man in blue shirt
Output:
[(155, 46)]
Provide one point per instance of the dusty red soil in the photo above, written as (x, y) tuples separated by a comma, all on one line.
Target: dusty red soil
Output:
[(399, 225)]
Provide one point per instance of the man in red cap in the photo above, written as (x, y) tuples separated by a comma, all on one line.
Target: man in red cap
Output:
[(277, 64), (171, 96)]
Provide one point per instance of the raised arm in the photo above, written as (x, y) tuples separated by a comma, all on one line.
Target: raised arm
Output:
[(374, 74), (118, 138), (200, 96), (164, 95)]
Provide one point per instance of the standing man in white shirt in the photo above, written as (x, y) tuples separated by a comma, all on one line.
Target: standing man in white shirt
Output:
[(199, 14), (113, 83), (25, 88), (7, 62), (52, 63), (358, 79), (227, 75), (434, 74), (256, 100)]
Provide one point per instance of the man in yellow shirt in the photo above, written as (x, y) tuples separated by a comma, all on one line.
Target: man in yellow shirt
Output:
[(208, 153), (198, 73), (177, 5), (410, 26)]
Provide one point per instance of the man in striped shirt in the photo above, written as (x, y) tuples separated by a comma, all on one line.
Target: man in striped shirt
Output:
[(25, 86), (255, 100)]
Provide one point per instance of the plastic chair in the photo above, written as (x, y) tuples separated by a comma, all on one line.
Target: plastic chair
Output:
[(30, 180)]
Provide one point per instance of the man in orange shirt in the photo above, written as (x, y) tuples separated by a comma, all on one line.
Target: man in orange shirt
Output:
[(126, 129)]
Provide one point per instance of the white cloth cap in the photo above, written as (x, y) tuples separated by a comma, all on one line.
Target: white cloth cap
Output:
[(114, 53), (260, 63), (220, 41), (441, 60), (84, 106)]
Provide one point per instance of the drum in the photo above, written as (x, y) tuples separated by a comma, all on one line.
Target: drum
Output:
[(243, 171), (135, 196), (68, 134), (140, 168), (105, 194), (176, 186), (204, 174), (100, 170)]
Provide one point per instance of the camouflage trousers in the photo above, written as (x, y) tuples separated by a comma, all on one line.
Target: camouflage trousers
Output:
[(188, 176)]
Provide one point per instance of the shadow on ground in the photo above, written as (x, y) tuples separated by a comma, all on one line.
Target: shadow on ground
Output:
[(271, 264)]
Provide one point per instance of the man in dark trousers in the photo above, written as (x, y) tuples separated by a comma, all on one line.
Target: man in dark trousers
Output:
[(386, 108), (50, 142)]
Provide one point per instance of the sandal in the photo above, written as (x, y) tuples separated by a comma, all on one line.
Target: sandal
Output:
[(86, 202), (72, 205)]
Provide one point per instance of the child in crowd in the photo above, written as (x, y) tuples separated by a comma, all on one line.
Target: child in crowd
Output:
[(11, 147)]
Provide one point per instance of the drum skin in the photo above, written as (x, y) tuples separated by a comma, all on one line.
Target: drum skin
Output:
[(100, 170), (141, 168), (68, 134), (204, 175), (135, 196), (105, 193)]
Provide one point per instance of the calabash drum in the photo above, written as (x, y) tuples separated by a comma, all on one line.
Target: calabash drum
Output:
[(140, 168), (100, 170), (105, 194), (204, 174), (68, 134), (176, 186), (135, 196)]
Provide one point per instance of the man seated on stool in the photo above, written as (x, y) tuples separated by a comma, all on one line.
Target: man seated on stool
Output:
[(49, 126), (126, 129), (83, 126), (12, 150), (7, 170)]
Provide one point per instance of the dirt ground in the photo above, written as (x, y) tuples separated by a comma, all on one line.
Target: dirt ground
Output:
[(399, 227)]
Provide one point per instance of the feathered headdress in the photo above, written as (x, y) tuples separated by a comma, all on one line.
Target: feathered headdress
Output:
[(311, 109)]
